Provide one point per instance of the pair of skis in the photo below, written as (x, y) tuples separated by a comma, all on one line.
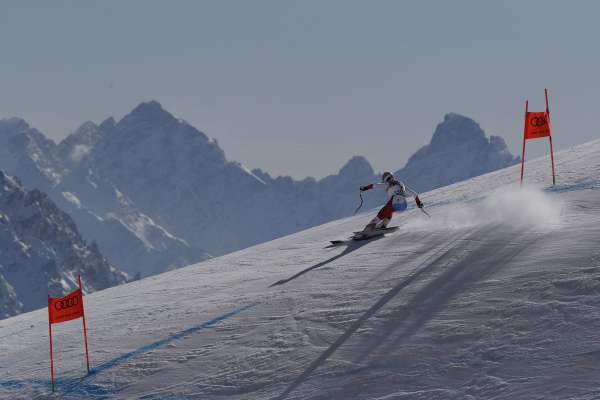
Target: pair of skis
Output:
[(361, 235)]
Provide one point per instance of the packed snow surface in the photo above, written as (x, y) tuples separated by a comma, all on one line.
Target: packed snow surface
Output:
[(496, 296)]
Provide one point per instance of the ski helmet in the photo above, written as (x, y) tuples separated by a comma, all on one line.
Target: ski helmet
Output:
[(386, 176)]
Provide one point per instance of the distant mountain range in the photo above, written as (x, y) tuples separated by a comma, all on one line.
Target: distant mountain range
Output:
[(155, 193), (103, 212), (43, 252)]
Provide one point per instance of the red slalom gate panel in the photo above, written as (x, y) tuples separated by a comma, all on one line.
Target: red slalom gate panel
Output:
[(62, 309), (537, 125)]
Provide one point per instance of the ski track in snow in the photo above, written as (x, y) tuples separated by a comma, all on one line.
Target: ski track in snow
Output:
[(495, 297)]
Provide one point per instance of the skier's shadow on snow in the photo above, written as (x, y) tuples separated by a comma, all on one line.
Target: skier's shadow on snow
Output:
[(350, 247), (469, 268)]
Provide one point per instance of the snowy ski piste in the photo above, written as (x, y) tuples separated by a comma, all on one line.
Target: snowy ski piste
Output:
[(496, 296)]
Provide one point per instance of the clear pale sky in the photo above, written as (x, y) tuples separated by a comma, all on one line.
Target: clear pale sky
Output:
[(298, 87)]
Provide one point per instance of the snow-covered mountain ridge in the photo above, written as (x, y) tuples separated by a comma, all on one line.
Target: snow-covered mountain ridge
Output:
[(129, 238), (42, 251), (494, 297)]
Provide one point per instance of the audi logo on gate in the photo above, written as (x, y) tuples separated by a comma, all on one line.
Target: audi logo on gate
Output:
[(66, 303), (537, 121)]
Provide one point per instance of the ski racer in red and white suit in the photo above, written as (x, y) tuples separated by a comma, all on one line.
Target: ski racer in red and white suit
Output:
[(397, 193)]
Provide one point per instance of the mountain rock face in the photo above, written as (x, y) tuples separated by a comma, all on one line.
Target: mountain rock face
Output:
[(29, 152), (181, 179), (458, 150), (154, 192), (43, 252), (129, 238)]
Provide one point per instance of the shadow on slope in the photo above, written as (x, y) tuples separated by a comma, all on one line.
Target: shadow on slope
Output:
[(84, 386), (422, 269), (468, 266), (459, 276), (352, 246)]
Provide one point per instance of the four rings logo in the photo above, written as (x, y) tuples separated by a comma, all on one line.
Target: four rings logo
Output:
[(66, 303), (538, 121)]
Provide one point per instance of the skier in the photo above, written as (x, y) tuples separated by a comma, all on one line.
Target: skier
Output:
[(397, 193)]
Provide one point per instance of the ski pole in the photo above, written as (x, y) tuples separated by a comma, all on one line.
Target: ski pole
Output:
[(361, 203), (420, 205)]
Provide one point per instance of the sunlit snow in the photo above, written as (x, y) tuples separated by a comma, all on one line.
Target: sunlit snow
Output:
[(497, 296)]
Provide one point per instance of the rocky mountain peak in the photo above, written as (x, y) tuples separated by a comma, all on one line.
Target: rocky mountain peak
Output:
[(459, 149), (357, 167), (85, 134), (25, 150), (456, 129), (108, 124), (21, 134), (150, 111), (86, 128), (78, 145), (12, 124)]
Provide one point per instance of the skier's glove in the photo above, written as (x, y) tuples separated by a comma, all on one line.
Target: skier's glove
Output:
[(418, 201), (365, 188)]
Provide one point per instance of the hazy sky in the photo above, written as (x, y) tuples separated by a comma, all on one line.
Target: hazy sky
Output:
[(298, 87)]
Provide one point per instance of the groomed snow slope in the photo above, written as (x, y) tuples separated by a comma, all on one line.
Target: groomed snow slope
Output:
[(497, 296)]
